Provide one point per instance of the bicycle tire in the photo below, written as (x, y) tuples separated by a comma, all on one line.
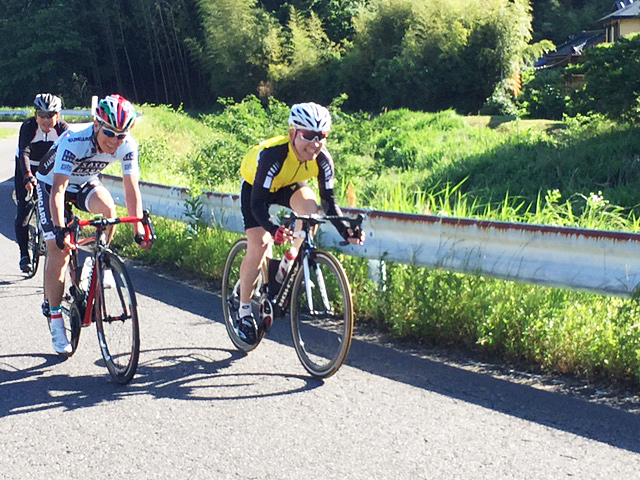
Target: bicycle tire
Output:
[(230, 295), (321, 335), (116, 316), (71, 314), (34, 251)]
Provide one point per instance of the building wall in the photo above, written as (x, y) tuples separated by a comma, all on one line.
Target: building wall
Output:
[(621, 27), (631, 25)]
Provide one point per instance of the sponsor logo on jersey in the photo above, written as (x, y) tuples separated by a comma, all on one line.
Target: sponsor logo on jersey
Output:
[(78, 139), (89, 167), (68, 157)]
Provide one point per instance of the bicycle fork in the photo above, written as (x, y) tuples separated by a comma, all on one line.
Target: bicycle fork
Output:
[(308, 285)]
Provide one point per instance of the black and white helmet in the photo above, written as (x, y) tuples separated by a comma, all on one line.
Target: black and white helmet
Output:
[(47, 102), (310, 116)]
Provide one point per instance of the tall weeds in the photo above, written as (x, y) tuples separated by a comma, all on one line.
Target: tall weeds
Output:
[(584, 175)]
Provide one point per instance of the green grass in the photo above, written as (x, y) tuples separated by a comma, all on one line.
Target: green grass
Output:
[(7, 132), (580, 173)]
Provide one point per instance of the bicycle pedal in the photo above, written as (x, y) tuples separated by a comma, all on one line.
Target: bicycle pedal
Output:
[(45, 309), (266, 313)]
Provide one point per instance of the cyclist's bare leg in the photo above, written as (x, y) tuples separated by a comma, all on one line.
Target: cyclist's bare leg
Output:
[(303, 202), (55, 266), (258, 240), (101, 202), (57, 260)]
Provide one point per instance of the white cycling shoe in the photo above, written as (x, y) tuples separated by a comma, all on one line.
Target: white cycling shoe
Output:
[(59, 339)]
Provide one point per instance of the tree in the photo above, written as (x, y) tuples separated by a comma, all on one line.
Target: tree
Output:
[(558, 20), (612, 79), (40, 61), (435, 54), (304, 69), (234, 52)]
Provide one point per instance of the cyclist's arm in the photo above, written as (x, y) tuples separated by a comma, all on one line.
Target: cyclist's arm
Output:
[(133, 200), (260, 208), (56, 200), (327, 194), (270, 164), (27, 133)]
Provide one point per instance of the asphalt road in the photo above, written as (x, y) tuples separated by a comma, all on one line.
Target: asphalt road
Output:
[(198, 409)]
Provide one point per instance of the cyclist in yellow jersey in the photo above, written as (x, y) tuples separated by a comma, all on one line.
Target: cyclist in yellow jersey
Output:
[(274, 172)]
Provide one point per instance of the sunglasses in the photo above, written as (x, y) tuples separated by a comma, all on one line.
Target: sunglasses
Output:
[(43, 114), (311, 136), (111, 134)]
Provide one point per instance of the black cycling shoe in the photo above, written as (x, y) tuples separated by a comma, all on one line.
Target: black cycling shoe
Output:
[(248, 330), (25, 264)]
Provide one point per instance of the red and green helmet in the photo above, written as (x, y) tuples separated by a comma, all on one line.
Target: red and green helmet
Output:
[(116, 112)]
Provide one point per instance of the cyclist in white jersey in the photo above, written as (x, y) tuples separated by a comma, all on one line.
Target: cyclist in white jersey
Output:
[(69, 172)]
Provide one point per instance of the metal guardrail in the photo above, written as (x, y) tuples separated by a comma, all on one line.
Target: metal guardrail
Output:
[(72, 113), (591, 260), (28, 113)]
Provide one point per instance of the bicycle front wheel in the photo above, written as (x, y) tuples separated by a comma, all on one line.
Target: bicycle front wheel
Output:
[(116, 317), (70, 305), (321, 315), (231, 295), (34, 250), (35, 243)]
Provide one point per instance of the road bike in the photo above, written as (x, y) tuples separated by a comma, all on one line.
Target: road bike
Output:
[(36, 244), (101, 291), (315, 292)]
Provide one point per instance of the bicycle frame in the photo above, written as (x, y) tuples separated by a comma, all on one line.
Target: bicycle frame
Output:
[(99, 239), (306, 251)]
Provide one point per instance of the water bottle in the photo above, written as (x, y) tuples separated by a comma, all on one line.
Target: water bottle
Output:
[(285, 265), (85, 274)]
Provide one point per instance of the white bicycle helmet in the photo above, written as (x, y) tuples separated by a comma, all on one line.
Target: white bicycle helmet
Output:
[(47, 102), (310, 116)]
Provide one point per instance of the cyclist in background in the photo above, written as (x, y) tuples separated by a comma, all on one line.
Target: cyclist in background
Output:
[(69, 172), (37, 134), (274, 172)]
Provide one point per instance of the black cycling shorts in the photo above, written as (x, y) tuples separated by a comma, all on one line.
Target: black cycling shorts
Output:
[(79, 199), (281, 197)]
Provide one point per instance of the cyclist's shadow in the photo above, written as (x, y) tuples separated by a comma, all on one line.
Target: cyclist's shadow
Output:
[(175, 373)]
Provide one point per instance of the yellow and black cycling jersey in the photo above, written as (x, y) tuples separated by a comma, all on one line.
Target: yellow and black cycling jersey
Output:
[(272, 165)]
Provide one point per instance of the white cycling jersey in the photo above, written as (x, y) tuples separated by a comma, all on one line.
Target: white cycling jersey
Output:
[(76, 155)]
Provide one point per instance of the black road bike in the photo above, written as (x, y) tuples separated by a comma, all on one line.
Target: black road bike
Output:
[(315, 293), (36, 244)]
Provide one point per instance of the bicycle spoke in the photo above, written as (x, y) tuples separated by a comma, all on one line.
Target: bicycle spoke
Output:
[(231, 294), (117, 320), (322, 315)]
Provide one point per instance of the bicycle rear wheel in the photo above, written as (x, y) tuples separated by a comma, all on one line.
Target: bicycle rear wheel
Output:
[(322, 315), (231, 295), (116, 317)]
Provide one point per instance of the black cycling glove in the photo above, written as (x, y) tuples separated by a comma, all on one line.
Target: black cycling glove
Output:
[(60, 234)]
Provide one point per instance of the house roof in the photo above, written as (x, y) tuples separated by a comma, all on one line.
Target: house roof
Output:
[(581, 41), (630, 11), (575, 46)]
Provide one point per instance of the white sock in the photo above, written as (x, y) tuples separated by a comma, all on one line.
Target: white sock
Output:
[(245, 309), (56, 320)]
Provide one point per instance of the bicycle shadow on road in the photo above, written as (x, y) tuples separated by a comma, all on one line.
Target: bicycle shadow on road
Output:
[(176, 373), (554, 409)]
